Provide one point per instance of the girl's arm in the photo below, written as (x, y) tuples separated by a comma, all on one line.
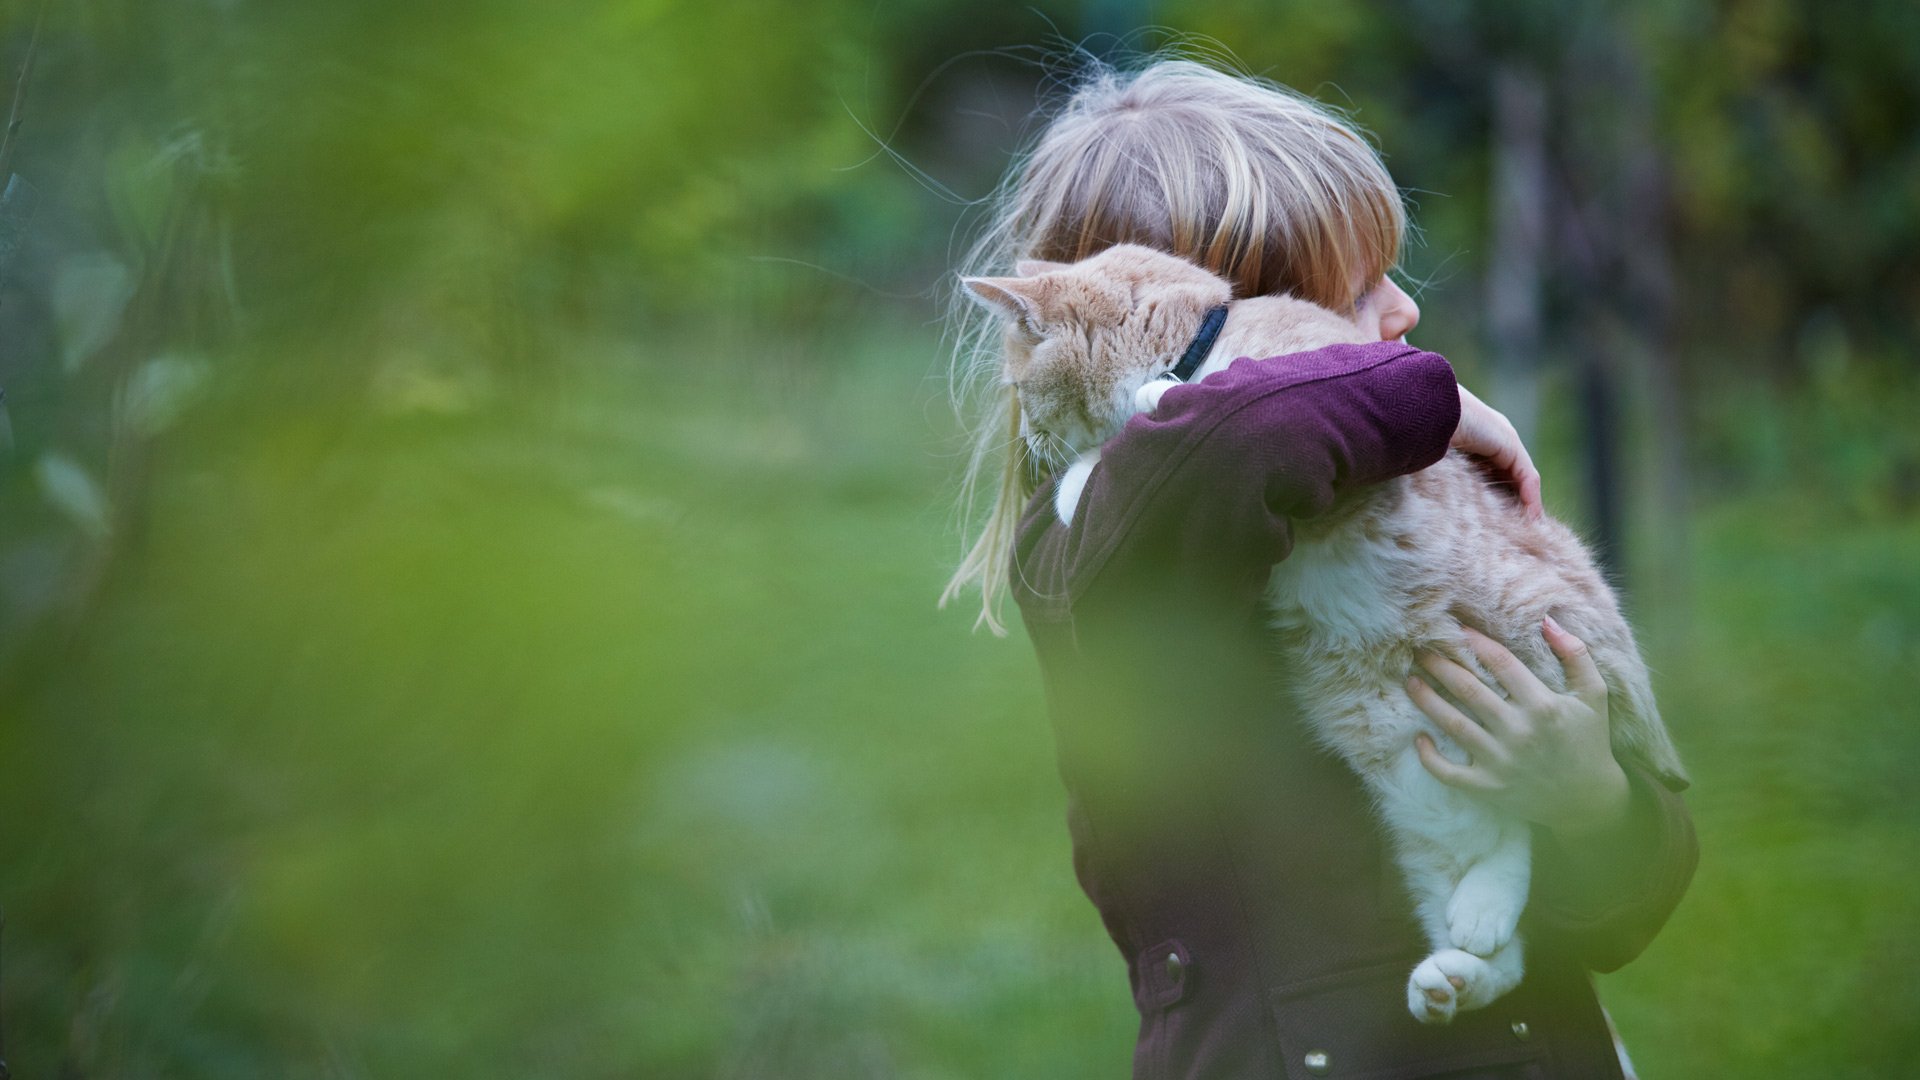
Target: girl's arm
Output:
[(1198, 494), (1610, 892)]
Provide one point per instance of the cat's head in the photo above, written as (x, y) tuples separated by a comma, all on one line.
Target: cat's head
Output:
[(1082, 338)]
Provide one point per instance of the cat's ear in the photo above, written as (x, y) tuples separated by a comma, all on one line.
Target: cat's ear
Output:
[(1007, 297), (1036, 267)]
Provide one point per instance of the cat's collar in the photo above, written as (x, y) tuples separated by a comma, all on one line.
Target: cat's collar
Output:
[(1202, 344)]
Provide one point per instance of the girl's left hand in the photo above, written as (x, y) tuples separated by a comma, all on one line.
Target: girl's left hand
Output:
[(1537, 754), (1488, 435)]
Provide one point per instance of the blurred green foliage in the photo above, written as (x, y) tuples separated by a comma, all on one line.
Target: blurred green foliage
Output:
[(475, 482)]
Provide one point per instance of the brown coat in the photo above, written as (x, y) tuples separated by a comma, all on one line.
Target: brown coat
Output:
[(1237, 866)]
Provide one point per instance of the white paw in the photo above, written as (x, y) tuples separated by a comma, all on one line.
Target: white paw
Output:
[(1147, 398), (1481, 927), (1481, 920), (1432, 995)]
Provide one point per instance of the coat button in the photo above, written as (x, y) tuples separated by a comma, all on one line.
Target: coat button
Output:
[(1521, 1031), (1176, 968), (1317, 1062)]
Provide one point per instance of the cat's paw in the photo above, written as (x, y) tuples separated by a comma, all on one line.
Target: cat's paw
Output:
[(1147, 398), (1448, 981), (1483, 913), (1481, 920)]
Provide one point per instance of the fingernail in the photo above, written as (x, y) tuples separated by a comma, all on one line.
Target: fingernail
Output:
[(1554, 626), (1414, 682)]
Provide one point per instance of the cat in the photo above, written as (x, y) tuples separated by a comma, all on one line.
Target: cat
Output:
[(1389, 571)]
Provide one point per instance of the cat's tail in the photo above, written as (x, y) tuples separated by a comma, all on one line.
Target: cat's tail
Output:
[(1634, 718)]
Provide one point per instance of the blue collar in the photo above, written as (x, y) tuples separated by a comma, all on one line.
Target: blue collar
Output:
[(1196, 353)]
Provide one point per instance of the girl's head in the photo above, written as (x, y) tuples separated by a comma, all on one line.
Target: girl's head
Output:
[(1268, 189), (1262, 186)]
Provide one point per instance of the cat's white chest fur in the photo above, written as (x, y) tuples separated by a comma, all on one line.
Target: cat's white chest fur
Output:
[(1344, 587), (1073, 481)]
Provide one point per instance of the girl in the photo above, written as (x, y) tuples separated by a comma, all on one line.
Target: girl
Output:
[(1235, 865)]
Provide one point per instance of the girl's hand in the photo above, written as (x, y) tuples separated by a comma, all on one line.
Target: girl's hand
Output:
[(1536, 754), (1486, 434)]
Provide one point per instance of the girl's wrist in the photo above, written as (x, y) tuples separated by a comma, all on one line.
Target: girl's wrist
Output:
[(1599, 809)]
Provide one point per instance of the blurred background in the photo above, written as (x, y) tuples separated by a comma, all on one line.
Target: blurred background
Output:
[(474, 481)]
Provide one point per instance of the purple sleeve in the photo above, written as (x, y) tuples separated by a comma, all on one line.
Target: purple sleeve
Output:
[(1610, 898), (1206, 483)]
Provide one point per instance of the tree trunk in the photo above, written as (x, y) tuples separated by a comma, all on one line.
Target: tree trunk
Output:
[(1517, 207)]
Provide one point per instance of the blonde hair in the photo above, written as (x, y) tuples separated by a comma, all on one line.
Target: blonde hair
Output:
[(1271, 190)]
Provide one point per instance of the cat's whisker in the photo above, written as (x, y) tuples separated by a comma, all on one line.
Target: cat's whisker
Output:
[(1060, 451), (1052, 450)]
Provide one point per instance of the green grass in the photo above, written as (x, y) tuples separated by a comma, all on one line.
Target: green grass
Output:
[(1796, 951), (613, 733)]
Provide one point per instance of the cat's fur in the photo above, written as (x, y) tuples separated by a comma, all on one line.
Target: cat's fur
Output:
[(1391, 570)]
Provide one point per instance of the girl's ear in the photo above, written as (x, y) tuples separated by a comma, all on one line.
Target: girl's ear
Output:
[(1008, 298), (1034, 267)]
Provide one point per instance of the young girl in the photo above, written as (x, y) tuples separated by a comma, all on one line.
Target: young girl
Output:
[(1236, 865)]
